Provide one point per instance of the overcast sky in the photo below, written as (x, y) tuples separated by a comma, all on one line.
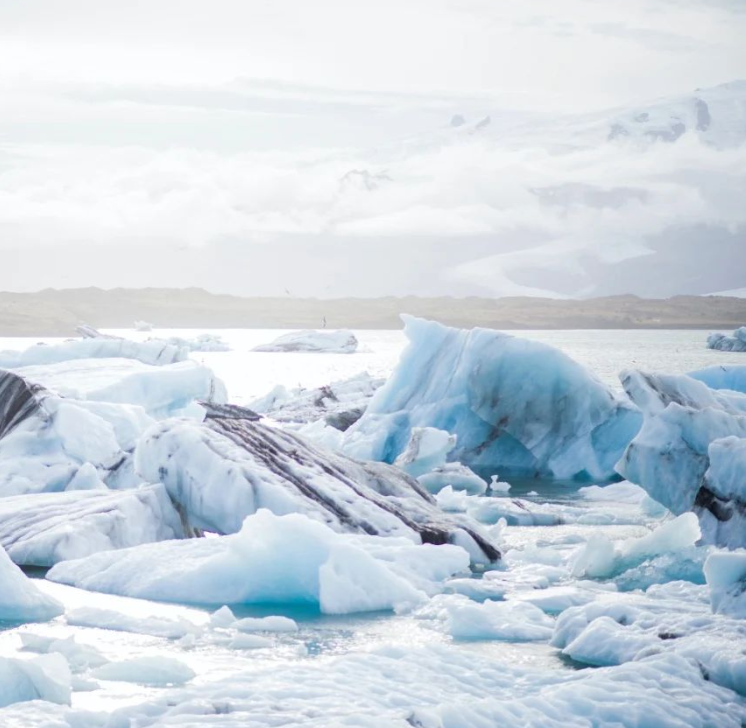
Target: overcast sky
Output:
[(145, 142)]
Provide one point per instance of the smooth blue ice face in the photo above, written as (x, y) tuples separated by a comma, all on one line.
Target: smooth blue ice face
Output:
[(722, 377), (516, 405)]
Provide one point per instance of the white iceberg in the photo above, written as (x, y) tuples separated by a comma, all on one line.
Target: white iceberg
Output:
[(20, 599), (276, 560), (151, 670), (51, 527), (453, 475), (227, 468), (516, 406), (690, 451), (723, 342), (199, 343), (153, 352), (328, 342), (339, 404)]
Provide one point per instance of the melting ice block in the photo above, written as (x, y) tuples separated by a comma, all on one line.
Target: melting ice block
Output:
[(227, 468), (329, 342), (516, 405), (723, 342), (274, 560), (725, 572), (690, 452)]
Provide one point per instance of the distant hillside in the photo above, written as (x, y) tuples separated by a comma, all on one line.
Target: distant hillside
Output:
[(57, 312)]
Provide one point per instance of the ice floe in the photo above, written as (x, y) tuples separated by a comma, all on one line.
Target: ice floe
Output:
[(331, 342), (273, 559), (724, 342)]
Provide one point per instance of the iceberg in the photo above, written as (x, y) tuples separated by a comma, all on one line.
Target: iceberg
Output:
[(161, 391), (689, 451), (516, 406), (723, 342), (51, 527), (153, 352), (339, 404), (20, 599), (49, 443), (200, 343), (227, 468), (273, 559), (328, 342)]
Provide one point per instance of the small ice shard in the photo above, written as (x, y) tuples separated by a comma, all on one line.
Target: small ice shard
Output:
[(454, 475), (46, 677), (266, 624), (496, 486), (329, 342), (427, 449), (155, 670)]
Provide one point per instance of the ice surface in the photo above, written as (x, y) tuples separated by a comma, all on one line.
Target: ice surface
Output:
[(491, 620), (725, 572), (620, 628), (723, 342), (339, 404), (157, 626), (514, 404), (153, 352), (331, 342), (51, 527), (42, 678), (687, 429), (426, 450), (227, 468), (273, 559), (20, 599), (722, 377), (454, 475), (162, 391), (146, 670)]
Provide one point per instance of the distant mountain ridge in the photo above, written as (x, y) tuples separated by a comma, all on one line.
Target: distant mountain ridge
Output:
[(53, 312)]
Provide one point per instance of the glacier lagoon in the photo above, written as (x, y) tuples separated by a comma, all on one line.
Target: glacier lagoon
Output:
[(599, 594)]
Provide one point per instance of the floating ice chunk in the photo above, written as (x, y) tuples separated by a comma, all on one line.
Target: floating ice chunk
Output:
[(560, 421), (427, 449), (156, 626), (80, 657), (338, 404), (330, 342), (556, 599), (670, 455), (723, 377), (490, 620), (155, 670), (223, 470), (274, 559), (630, 627), (725, 572), (723, 342), (162, 391), (454, 475), (602, 558), (266, 624), (623, 492), (20, 599), (222, 618), (52, 527), (514, 511), (46, 677), (496, 486), (153, 352)]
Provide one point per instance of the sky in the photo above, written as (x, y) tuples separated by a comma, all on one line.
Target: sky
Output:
[(291, 148)]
